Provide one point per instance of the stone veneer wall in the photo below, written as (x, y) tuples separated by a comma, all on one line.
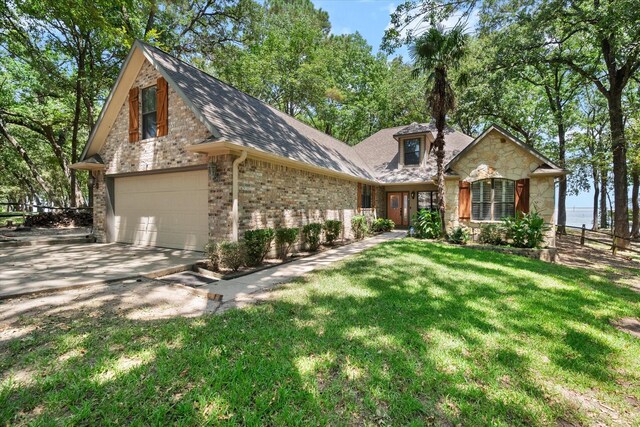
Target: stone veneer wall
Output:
[(121, 156), (272, 195), (492, 158)]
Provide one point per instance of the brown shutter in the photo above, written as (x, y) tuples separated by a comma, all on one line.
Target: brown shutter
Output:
[(522, 195), (359, 197), (134, 114), (373, 197), (162, 107), (464, 201)]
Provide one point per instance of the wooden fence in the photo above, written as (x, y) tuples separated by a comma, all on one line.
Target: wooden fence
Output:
[(603, 237)]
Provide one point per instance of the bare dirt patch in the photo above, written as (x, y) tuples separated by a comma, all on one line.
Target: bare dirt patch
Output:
[(628, 325), (621, 269)]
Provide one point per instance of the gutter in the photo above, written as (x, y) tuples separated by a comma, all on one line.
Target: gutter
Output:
[(235, 185)]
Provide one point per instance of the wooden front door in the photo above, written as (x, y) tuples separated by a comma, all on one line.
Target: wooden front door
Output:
[(398, 207)]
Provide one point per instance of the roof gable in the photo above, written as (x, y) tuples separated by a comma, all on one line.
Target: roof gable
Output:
[(509, 137), (230, 115)]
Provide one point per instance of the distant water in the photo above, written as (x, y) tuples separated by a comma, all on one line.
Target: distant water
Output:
[(576, 216)]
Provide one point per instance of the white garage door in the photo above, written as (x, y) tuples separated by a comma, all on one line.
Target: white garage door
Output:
[(166, 210)]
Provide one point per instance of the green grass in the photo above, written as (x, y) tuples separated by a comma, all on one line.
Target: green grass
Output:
[(4, 217), (409, 332)]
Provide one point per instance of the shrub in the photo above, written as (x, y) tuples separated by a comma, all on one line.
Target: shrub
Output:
[(232, 255), (459, 235), (332, 229), (257, 244), (212, 250), (359, 226), (491, 234), (311, 233), (285, 238), (427, 224), (526, 230), (382, 224)]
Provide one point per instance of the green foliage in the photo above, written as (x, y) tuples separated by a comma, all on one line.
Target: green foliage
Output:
[(459, 235), (311, 234), (332, 229), (232, 255), (359, 226), (427, 224), (491, 234), (526, 230), (212, 251), (382, 225), (285, 238), (257, 244)]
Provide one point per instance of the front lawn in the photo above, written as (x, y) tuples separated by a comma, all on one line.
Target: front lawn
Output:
[(409, 332)]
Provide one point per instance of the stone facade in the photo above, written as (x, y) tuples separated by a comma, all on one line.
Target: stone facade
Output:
[(497, 157)]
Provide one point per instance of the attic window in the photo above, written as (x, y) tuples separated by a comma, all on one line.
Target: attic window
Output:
[(411, 151), (149, 112)]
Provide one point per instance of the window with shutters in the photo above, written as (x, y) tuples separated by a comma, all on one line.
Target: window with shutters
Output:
[(149, 117), (411, 151), (365, 197), (492, 199), (428, 200)]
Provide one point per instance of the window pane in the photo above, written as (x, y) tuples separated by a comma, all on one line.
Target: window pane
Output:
[(148, 99), (481, 200), (504, 198), (149, 125), (412, 151), (365, 197)]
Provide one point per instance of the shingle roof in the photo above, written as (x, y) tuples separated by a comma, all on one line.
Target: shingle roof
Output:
[(414, 128), (380, 152), (246, 121)]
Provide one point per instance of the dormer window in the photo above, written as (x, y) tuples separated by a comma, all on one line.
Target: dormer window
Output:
[(411, 151)]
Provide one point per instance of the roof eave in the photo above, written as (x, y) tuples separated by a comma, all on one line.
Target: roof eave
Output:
[(227, 147)]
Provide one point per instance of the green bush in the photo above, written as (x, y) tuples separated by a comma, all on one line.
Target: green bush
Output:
[(285, 238), (359, 226), (332, 229), (491, 234), (232, 255), (426, 224), (382, 225), (212, 251), (459, 235), (311, 234), (525, 230), (257, 244)]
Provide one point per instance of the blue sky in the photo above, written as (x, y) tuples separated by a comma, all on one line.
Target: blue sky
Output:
[(370, 18)]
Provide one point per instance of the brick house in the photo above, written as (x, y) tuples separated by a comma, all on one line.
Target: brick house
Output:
[(179, 157)]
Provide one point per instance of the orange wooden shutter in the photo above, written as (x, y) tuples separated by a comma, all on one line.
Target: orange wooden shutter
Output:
[(134, 114), (464, 200), (162, 107), (359, 197), (522, 195)]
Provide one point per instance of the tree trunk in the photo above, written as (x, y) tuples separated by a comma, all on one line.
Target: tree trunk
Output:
[(596, 195), (620, 184), (439, 144), (562, 185), (635, 203), (604, 223)]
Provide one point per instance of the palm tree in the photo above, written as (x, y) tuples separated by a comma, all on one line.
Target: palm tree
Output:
[(435, 53)]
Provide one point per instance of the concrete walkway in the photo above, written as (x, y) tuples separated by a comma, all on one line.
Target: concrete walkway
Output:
[(241, 288), (36, 269)]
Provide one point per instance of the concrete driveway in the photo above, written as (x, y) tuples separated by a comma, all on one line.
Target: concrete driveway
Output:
[(30, 269)]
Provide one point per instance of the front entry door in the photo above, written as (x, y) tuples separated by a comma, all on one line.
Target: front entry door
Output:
[(398, 207)]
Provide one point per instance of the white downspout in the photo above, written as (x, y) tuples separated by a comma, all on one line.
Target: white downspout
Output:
[(234, 211)]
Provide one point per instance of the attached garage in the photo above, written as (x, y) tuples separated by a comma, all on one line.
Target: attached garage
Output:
[(167, 210)]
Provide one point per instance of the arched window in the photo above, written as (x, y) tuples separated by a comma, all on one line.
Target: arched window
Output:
[(492, 199)]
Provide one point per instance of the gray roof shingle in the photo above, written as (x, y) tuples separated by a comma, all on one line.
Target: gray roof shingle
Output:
[(246, 121), (380, 152)]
